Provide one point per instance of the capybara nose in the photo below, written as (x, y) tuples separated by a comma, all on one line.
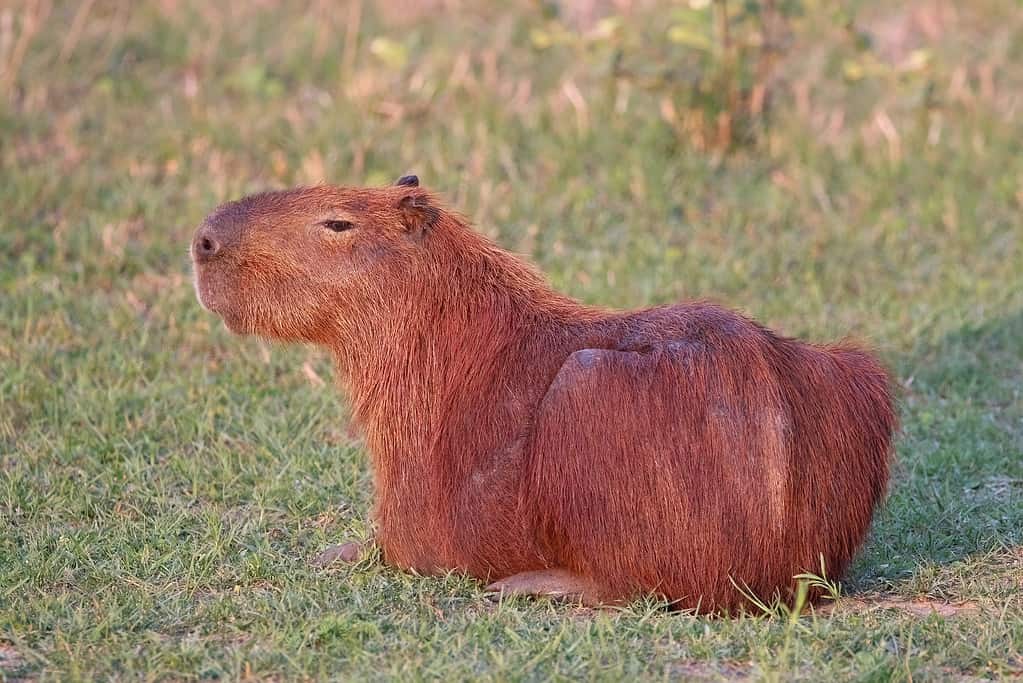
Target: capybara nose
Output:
[(205, 246)]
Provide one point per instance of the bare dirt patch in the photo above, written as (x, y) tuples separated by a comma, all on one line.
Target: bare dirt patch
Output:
[(920, 608), (708, 671)]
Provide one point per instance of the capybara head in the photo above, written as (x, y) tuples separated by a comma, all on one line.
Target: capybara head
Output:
[(290, 264)]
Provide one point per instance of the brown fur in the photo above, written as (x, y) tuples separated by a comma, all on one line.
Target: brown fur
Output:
[(676, 450)]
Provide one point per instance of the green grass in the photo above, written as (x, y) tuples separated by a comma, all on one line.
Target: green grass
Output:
[(163, 485)]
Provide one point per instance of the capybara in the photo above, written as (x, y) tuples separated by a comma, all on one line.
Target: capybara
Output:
[(546, 446)]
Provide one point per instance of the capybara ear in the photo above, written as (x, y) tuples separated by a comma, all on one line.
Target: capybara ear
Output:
[(419, 212), (408, 181)]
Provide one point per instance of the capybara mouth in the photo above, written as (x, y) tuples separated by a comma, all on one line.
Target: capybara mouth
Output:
[(213, 295), (204, 292)]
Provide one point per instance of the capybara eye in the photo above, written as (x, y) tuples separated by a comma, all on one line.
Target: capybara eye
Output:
[(338, 226)]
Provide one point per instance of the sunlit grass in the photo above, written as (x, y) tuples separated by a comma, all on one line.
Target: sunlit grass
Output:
[(163, 485)]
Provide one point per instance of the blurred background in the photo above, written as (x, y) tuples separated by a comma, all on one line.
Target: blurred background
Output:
[(830, 168), (783, 155)]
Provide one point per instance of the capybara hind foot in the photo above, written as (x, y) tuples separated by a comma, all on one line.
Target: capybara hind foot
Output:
[(559, 584), (349, 552)]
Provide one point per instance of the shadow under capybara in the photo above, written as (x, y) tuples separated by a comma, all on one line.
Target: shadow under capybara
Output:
[(546, 446)]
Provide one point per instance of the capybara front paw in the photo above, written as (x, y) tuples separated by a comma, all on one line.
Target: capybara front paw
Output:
[(349, 552)]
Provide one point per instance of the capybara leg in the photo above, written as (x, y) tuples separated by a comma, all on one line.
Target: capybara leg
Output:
[(560, 584), (349, 552)]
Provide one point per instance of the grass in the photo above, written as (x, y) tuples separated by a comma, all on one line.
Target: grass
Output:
[(163, 484)]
